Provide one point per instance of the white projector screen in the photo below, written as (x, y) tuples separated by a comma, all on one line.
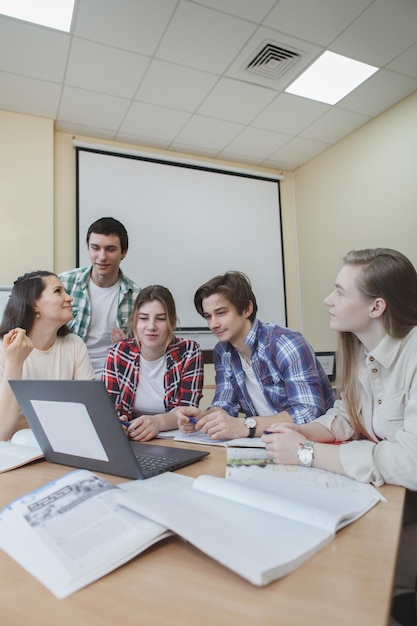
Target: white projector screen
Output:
[(186, 224)]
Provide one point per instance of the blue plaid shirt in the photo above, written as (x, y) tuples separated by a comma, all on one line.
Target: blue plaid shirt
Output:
[(286, 368)]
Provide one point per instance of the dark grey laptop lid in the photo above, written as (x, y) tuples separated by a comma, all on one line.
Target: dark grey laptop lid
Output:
[(75, 423)]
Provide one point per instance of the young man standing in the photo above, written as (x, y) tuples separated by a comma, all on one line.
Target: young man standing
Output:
[(103, 295), (265, 371)]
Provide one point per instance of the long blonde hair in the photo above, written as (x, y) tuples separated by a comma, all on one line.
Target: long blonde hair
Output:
[(386, 274)]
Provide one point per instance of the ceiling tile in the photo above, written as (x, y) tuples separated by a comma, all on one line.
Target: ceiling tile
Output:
[(246, 9), (172, 74), (208, 133), (378, 93), (129, 25), (152, 121), (28, 95), (26, 50), (299, 151), (96, 67), (257, 143), (85, 131), (92, 109), (149, 142), (204, 39), (279, 165), (196, 150), (175, 86), (334, 125), (290, 114), (406, 63), (319, 21), (385, 30), (236, 101)]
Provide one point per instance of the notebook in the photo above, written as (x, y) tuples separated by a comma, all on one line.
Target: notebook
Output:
[(75, 423)]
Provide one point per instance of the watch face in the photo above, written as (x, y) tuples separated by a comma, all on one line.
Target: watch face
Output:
[(305, 456), (250, 422)]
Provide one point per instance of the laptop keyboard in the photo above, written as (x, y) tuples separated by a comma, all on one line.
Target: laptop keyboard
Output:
[(152, 465)]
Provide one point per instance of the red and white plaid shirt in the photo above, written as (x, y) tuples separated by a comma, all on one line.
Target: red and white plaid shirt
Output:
[(183, 380)]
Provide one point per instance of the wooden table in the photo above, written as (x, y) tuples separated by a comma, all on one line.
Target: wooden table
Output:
[(173, 584)]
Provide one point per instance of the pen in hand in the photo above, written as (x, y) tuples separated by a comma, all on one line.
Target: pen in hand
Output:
[(192, 419), (125, 423)]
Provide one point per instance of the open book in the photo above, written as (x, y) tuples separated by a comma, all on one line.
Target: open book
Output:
[(72, 531), (260, 532), (22, 449)]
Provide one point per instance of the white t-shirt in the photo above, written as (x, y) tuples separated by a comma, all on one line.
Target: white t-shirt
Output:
[(149, 398), (104, 301), (255, 391)]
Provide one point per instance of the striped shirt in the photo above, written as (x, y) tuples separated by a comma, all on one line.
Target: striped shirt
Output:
[(286, 369)]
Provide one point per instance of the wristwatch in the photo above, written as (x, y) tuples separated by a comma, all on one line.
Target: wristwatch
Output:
[(250, 423), (306, 454)]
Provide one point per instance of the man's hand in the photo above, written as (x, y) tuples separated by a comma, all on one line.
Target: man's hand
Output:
[(184, 423), (218, 424), (117, 334)]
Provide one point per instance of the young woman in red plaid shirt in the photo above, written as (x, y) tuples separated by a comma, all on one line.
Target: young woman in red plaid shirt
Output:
[(152, 375)]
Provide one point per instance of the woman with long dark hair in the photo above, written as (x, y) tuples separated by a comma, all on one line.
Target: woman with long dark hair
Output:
[(36, 342)]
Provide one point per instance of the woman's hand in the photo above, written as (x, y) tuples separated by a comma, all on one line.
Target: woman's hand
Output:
[(143, 428), (282, 442), (16, 346)]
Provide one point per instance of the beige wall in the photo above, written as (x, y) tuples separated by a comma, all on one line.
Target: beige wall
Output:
[(26, 194), (360, 193)]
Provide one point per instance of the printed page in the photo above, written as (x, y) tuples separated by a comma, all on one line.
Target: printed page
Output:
[(72, 532), (242, 463), (257, 545)]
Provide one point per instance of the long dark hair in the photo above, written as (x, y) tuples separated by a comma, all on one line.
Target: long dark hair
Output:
[(19, 311)]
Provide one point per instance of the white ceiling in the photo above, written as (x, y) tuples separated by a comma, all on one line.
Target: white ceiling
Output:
[(171, 74)]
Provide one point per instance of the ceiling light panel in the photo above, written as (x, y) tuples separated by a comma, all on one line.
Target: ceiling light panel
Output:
[(51, 13), (331, 78)]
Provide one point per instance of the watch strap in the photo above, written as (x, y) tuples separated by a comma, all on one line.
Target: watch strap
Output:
[(250, 423)]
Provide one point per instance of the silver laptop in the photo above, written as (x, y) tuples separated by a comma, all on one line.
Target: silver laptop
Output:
[(75, 423)]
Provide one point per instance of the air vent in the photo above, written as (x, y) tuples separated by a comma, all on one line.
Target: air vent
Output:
[(272, 61)]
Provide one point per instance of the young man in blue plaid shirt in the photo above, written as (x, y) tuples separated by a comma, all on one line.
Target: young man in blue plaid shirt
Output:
[(265, 371), (103, 295)]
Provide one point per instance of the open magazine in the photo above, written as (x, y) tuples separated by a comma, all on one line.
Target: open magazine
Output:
[(72, 531), (254, 467)]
